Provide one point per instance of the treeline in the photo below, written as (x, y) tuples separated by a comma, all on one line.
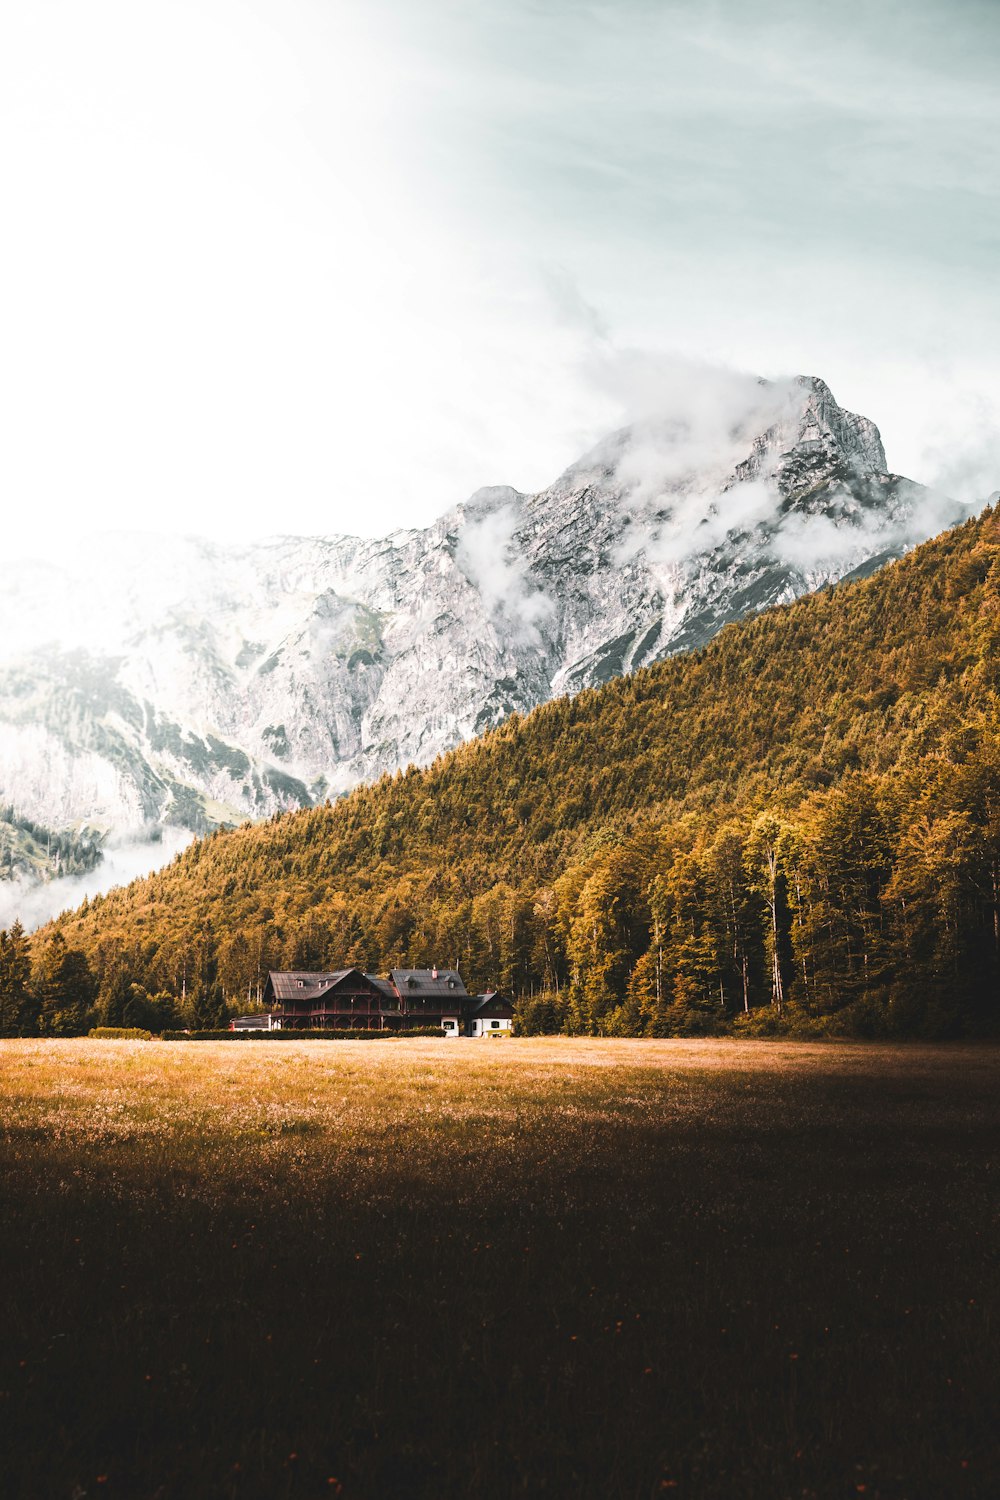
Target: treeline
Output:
[(798, 826), (48, 988)]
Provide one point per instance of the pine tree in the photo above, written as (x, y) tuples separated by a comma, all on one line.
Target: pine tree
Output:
[(65, 988), (115, 995), (18, 1007), (209, 1000)]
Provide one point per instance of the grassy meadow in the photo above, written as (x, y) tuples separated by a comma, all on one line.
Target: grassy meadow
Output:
[(524, 1268)]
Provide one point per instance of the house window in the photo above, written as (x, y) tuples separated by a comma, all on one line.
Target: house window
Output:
[(495, 1025)]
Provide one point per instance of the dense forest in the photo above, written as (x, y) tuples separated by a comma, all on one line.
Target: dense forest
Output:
[(797, 827)]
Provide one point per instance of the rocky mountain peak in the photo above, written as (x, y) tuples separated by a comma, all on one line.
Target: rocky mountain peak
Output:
[(198, 684), (852, 437)]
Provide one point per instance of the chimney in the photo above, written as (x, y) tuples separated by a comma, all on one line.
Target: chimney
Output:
[(434, 972)]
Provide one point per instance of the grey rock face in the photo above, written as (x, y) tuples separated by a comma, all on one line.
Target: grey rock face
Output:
[(200, 685)]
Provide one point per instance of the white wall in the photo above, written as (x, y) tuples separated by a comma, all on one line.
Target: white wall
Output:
[(487, 1027)]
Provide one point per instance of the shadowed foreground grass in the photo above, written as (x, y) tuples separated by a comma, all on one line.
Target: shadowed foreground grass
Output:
[(459, 1269)]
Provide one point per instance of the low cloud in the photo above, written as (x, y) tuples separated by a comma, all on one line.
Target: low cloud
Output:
[(34, 903), (709, 406), (691, 423), (819, 544), (969, 471), (488, 556), (676, 474)]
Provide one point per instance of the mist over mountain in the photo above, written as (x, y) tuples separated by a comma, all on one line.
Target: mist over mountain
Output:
[(149, 682)]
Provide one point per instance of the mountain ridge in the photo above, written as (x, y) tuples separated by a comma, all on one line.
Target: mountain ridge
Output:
[(207, 684), (798, 823)]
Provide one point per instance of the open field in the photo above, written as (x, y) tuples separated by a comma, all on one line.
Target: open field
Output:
[(460, 1269)]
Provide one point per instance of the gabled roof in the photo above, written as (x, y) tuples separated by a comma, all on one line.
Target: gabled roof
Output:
[(294, 984), (382, 984), (492, 998), (429, 984)]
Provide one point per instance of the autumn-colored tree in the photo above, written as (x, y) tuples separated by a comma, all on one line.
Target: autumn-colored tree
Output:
[(65, 988), (19, 1009)]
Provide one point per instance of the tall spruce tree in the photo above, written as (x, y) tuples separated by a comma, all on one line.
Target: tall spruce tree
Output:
[(18, 1007), (115, 996), (65, 988)]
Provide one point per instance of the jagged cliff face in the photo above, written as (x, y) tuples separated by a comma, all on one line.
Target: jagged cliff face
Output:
[(181, 682)]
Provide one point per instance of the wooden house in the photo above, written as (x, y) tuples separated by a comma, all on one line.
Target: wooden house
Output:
[(431, 997), (409, 998), (489, 1015), (344, 998)]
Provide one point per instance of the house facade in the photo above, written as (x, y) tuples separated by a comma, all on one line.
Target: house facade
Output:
[(350, 999), (346, 998), (489, 1015)]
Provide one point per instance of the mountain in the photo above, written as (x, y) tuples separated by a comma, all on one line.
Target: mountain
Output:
[(147, 682), (799, 822)]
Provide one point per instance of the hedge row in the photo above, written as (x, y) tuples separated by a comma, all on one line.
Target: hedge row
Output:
[(121, 1033), (298, 1036)]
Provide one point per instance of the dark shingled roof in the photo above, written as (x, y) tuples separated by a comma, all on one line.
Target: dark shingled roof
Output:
[(296, 984), (429, 984), (382, 984), (493, 997)]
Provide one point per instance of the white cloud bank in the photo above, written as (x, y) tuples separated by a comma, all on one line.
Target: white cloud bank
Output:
[(35, 904)]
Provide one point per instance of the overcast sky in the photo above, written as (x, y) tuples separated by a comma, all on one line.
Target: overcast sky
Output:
[(318, 265)]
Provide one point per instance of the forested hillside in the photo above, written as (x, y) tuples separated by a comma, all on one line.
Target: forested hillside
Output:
[(798, 825)]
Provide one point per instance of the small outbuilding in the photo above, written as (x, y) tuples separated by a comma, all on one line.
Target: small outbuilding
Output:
[(489, 1015)]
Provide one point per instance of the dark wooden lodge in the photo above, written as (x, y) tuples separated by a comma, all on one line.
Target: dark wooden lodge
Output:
[(409, 998), (347, 997)]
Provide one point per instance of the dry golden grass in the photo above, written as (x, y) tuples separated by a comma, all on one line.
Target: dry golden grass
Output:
[(538, 1266)]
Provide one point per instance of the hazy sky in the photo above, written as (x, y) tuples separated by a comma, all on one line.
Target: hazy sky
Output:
[(316, 265)]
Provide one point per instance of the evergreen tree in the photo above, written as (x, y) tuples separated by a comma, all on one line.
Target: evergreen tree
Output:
[(765, 848), (210, 1006), (115, 996), (65, 988), (209, 1000), (18, 1005)]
